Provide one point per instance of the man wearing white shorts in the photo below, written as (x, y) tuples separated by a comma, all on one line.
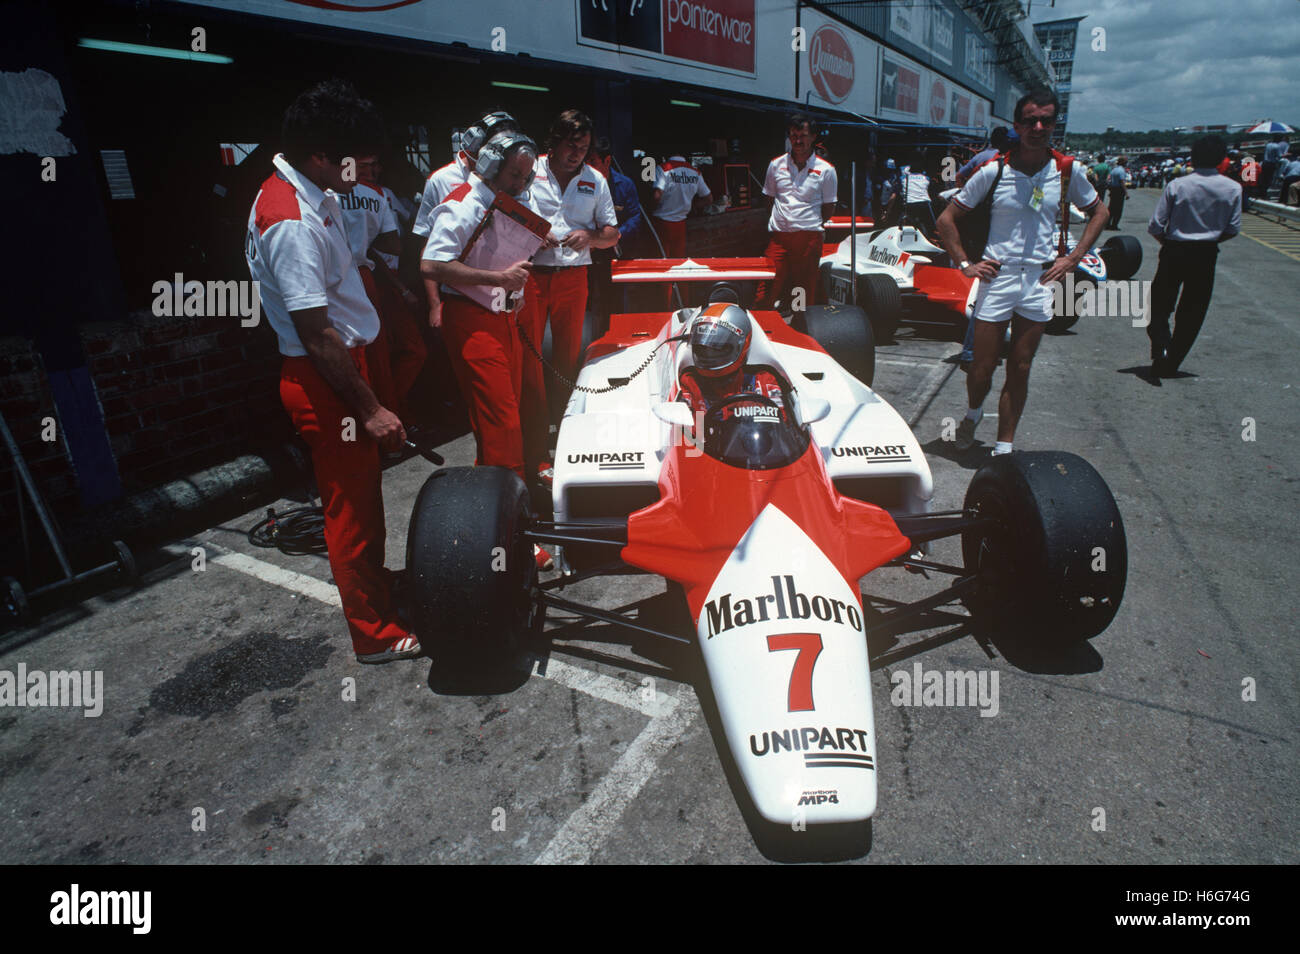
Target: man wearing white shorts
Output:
[(1021, 260)]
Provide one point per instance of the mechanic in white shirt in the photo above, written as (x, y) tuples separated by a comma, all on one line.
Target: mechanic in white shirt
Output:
[(803, 190), (1020, 261), (442, 180), (396, 357), (679, 190), (576, 200), (297, 250), (484, 346)]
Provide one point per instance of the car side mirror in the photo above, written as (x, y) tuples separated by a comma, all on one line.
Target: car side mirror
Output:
[(675, 412), (812, 410)]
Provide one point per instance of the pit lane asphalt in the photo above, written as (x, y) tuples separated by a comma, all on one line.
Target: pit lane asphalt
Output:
[(225, 688)]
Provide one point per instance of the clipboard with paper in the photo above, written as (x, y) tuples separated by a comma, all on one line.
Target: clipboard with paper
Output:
[(510, 233)]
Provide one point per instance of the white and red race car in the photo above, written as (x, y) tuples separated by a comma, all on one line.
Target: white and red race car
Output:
[(765, 515), (904, 276)]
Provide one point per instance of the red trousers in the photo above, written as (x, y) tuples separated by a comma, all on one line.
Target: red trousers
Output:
[(673, 237), (397, 354), (487, 358), (348, 477), (796, 256), (560, 295)]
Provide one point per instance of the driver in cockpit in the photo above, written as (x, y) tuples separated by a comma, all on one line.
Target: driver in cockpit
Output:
[(719, 340)]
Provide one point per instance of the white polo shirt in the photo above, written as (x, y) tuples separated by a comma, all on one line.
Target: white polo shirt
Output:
[(799, 193), (366, 216), (453, 222), (916, 186), (1018, 233), (437, 187), (402, 216), (586, 204), (680, 183), (298, 252)]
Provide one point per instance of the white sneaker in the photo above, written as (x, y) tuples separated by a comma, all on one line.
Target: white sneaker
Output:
[(408, 647)]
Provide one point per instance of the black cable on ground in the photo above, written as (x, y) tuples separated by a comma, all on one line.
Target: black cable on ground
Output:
[(295, 532)]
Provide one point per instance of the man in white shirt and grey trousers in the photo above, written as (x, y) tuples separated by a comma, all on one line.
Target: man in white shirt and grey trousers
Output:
[(1194, 214)]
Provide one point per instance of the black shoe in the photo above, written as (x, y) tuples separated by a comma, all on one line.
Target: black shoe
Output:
[(1164, 368)]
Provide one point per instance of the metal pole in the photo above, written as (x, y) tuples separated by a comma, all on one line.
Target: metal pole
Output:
[(38, 504), (853, 232)]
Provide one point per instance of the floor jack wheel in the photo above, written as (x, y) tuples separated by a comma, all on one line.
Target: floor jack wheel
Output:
[(15, 600), (126, 562)]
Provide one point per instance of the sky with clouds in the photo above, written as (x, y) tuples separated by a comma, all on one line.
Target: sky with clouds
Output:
[(1182, 62)]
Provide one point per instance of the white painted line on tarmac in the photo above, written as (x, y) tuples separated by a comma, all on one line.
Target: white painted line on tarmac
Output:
[(587, 828), (581, 836), (299, 583), (599, 686)]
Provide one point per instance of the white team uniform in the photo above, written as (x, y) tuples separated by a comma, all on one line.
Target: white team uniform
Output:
[(297, 250), (366, 216), (1021, 236), (586, 204), (799, 193), (438, 187), (680, 183)]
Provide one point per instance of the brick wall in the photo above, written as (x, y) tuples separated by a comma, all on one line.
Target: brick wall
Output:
[(177, 395)]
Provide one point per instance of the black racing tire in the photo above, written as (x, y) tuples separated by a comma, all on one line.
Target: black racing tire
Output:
[(470, 570), (15, 600), (846, 334), (879, 297), (590, 332), (1041, 575), (1123, 257)]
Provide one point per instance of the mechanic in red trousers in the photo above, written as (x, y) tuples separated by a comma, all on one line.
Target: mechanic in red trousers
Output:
[(803, 189), (298, 252), (484, 346), (679, 190), (576, 200)]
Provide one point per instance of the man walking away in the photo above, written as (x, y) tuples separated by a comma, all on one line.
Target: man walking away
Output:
[(1194, 214), (1118, 182)]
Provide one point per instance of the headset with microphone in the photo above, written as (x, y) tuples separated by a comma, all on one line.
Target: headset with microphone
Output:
[(499, 148), (474, 138)]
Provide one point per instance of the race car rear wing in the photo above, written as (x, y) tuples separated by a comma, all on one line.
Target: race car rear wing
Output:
[(652, 270)]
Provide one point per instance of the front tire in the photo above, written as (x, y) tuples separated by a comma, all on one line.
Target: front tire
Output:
[(471, 571), (1054, 566)]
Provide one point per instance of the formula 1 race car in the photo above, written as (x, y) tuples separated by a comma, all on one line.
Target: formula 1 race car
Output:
[(905, 276), (763, 514)]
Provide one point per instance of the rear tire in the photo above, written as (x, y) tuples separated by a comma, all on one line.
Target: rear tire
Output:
[(1054, 567), (470, 570), (846, 334), (881, 300), (1123, 257)]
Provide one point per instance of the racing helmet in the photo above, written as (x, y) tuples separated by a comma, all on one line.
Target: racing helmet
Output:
[(719, 338), (478, 135), (497, 150)]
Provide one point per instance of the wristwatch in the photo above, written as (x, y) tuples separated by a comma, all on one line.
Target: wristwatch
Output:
[(963, 266)]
